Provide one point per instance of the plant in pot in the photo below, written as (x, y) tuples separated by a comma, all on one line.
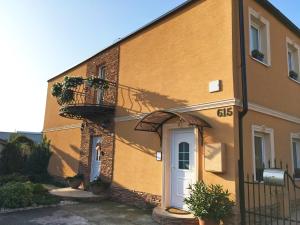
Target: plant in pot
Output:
[(99, 185), (293, 75), (258, 55), (75, 181), (210, 203)]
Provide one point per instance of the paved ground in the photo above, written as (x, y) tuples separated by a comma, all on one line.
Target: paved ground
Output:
[(102, 213)]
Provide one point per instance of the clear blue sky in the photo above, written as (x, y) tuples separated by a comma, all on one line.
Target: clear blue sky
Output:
[(41, 38)]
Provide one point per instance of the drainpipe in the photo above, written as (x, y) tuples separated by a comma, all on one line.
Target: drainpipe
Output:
[(242, 113)]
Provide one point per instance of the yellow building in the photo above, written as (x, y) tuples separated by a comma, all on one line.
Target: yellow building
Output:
[(178, 91)]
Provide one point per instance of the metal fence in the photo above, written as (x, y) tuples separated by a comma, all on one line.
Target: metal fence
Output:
[(272, 204)]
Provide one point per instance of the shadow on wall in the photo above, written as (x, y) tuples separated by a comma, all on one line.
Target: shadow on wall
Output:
[(133, 101), (59, 157)]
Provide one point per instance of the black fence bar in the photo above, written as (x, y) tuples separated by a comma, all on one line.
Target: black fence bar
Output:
[(270, 204)]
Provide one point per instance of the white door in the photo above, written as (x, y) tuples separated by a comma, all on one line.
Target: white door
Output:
[(183, 171), (96, 158)]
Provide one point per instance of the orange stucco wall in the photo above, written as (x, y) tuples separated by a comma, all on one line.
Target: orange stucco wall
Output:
[(168, 66), (271, 86), (65, 141), (282, 138)]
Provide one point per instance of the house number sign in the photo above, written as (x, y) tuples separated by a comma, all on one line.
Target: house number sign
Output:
[(224, 112)]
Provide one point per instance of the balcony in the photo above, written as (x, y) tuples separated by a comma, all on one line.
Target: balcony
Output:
[(86, 102)]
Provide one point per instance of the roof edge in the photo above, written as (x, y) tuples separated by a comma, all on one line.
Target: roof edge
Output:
[(153, 22), (279, 15), (264, 3)]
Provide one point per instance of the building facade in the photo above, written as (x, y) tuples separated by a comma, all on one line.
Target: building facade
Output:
[(170, 116)]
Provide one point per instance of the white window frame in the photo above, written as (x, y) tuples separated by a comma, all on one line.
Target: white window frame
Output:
[(292, 138), (268, 131), (290, 42), (265, 22), (101, 73), (259, 37)]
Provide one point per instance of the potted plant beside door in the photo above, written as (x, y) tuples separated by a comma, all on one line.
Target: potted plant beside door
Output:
[(75, 181), (210, 203), (99, 185)]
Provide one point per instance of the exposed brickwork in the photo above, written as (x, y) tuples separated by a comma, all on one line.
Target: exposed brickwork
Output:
[(136, 198), (102, 126), (109, 59), (97, 128)]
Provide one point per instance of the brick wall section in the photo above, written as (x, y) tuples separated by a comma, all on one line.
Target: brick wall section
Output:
[(102, 125), (109, 59), (136, 198)]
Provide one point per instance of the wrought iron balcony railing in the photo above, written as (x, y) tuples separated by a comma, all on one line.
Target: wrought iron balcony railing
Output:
[(90, 102)]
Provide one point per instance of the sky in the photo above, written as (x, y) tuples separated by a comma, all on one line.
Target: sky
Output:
[(42, 38)]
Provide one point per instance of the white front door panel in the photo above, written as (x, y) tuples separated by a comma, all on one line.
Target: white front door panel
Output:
[(183, 171)]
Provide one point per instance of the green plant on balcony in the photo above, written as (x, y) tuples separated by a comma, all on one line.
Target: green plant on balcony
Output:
[(258, 55), (65, 91)]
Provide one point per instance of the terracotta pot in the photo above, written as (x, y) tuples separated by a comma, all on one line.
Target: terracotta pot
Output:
[(74, 183), (208, 222)]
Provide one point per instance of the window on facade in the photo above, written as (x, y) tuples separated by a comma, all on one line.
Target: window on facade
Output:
[(259, 156), (101, 75), (262, 154), (293, 61), (259, 38), (296, 156), (255, 38), (184, 156), (101, 72)]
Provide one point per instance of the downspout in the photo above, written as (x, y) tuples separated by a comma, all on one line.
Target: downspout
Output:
[(243, 112)]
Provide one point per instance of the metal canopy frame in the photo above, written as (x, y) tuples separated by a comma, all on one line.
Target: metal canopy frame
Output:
[(153, 122)]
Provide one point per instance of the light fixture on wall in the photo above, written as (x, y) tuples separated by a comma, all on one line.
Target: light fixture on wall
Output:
[(99, 146), (158, 156)]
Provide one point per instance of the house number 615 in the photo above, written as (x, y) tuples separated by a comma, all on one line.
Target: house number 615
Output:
[(224, 112)]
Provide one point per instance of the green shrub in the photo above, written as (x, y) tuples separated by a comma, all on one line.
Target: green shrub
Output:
[(15, 195), (209, 202), (45, 199), (37, 162), (11, 159), (14, 177), (38, 189)]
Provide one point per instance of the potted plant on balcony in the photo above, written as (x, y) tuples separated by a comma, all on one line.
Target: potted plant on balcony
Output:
[(99, 185), (293, 75), (75, 181), (258, 55), (210, 204)]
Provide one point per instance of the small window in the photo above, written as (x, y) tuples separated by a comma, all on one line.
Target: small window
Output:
[(184, 156), (262, 153), (259, 38), (293, 61), (296, 156), (259, 156), (101, 73), (255, 40)]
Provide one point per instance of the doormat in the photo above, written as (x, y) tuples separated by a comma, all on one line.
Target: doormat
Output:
[(177, 211)]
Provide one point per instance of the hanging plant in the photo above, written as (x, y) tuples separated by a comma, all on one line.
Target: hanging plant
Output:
[(72, 82), (65, 91), (56, 89), (67, 96), (95, 82)]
